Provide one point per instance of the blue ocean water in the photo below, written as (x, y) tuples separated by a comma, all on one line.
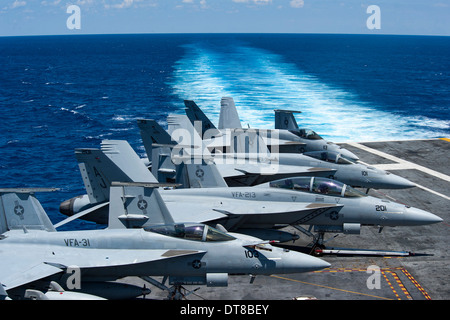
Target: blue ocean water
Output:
[(58, 93)]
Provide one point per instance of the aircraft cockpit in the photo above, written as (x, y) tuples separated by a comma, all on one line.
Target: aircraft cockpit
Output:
[(329, 156), (195, 232), (317, 185), (306, 134)]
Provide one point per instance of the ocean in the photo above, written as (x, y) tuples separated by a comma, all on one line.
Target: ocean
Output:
[(58, 93)]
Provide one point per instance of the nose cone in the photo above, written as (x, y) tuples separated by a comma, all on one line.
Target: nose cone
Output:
[(348, 154), (418, 217), (295, 262), (392, 181)]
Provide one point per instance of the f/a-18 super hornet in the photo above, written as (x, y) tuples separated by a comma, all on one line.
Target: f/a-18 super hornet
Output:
[(238, 169), (250, 168), (328, 205), (286, 137), (33, 254)]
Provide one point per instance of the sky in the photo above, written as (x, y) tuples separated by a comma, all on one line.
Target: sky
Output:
[(50, 17)]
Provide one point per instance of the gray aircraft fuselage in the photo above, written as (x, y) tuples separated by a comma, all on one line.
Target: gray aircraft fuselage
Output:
[(350, 173), (178, 257), (316, 144), (264, 206), (355, 209), (279, 138)]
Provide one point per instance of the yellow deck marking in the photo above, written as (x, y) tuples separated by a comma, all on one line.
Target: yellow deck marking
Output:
[(384, 271), (327, 287)]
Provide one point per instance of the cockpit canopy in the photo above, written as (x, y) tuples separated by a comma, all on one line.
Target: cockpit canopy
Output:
[(329, 156), (317, 185), (306, 134), (190, 231)]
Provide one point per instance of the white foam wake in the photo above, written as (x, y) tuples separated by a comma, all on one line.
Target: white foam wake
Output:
[(260, 81)]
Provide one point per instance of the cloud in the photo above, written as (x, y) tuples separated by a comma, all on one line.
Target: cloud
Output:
[(50, 3), (254, 1), (18, 3), (123, 4), (202, 3), (297, 3)]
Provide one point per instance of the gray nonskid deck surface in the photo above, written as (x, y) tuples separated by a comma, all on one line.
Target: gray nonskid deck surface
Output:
[(423, 276)]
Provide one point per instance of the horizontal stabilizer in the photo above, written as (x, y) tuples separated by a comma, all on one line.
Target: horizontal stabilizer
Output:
[(146, 184), (27, 190)]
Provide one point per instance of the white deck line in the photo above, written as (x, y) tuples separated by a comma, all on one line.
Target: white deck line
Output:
[(402, 165)]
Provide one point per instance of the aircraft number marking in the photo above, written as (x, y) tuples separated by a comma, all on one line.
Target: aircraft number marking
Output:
[(251, 254), (77, 243), (380, 208), (248, 195)]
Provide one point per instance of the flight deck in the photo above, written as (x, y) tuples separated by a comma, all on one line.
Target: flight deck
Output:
[(417, 269)]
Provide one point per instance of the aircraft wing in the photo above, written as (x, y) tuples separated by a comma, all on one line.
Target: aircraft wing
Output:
[(24, 267), (254, 174), (226, 140), (22, 272), (268, 214), (104, 258), (239, 213)]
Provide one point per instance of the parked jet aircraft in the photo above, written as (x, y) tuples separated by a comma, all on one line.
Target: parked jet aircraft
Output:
[(33, 254), (327, 204), (264, 167), (241, 169), (289, 137)]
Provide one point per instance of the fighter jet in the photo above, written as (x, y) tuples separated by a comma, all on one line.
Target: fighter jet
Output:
[(249, 169), (33, 253), (328, 205), (286, 137), (238, 169)]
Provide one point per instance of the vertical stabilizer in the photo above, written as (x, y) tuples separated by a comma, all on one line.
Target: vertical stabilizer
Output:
[(229, 118), (204, 175), (117, 161), (194, 113), (158, 145), (152, 133), (19, 209), (195, 166), (122, 154), (284, 119), (134, 204)]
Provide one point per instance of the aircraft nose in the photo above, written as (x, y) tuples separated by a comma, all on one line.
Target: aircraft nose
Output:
[(397, 182), (348, 154), (418, 217), (300, 262)]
